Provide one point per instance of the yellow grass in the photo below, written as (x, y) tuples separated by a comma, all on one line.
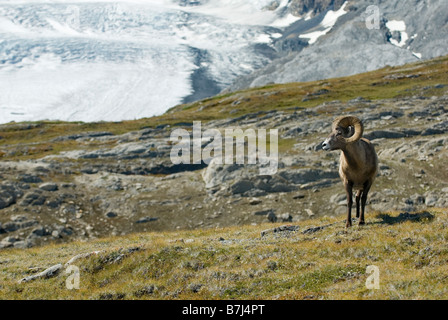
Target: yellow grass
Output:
[(237, 263)]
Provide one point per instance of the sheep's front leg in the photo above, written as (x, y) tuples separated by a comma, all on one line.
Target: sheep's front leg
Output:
[(349, 191)]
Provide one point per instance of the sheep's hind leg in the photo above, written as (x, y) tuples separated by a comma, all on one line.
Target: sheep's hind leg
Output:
[(358, 198), (367, 186)]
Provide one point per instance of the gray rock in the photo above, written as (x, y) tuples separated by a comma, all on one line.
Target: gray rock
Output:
[(285, 217), (291, 133), (84, 135), (33, 198), (54, 203), (60, 231), (417, 199), (433, 131), (14, 225), (264, 212), (47, 273), (40, 232), (89, 170), (23, 244), (280, 229), (55, 234), (68, 209), (255, 201), (111, 214), (6, 245), (303, 176), (146, 219), (10, 239), (49, 186), (9, 193), (242, 186), (431, 199), (29, 178), (81, 256), (68, 185), (311, 230), (384, 134), (272, 217), (339, 198)]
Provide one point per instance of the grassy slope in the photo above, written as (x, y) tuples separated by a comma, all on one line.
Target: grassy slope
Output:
[(237, 263)]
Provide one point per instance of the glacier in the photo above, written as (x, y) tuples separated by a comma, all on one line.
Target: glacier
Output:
[(108, 60)]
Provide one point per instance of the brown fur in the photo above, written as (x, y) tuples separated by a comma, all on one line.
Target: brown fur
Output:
[(357, 168)]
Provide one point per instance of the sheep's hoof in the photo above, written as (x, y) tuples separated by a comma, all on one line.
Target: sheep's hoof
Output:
[(361, 223), (348, 224)]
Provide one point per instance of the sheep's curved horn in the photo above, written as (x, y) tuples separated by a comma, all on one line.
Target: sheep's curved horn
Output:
[(345, 122)]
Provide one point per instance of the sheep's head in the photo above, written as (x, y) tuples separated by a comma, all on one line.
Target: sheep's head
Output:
[(345, 130)]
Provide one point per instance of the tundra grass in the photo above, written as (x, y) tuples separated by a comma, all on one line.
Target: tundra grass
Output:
[(408, 249)]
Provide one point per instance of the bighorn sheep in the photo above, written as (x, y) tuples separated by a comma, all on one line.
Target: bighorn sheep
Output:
[(358, 161)]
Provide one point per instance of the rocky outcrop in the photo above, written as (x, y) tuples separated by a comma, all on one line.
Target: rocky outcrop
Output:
[(9, 193)]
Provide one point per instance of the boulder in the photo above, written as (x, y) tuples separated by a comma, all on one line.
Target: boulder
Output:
[(47, 273), (303, 176), (378, 134), (29, 178), (242, 186), (146, 219), (9, 193), (33, 198), (431, 199), (49, 186)]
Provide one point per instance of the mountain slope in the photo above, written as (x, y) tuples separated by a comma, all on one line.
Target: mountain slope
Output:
[(407, 31), (104, 198), (68, 181)]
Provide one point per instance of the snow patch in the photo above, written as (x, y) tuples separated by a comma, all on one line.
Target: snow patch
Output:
[(418, 55), (263, 38), (308, 16), (285, 21), (313, 36), (332, 16), (398, 26), (328, 23)]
